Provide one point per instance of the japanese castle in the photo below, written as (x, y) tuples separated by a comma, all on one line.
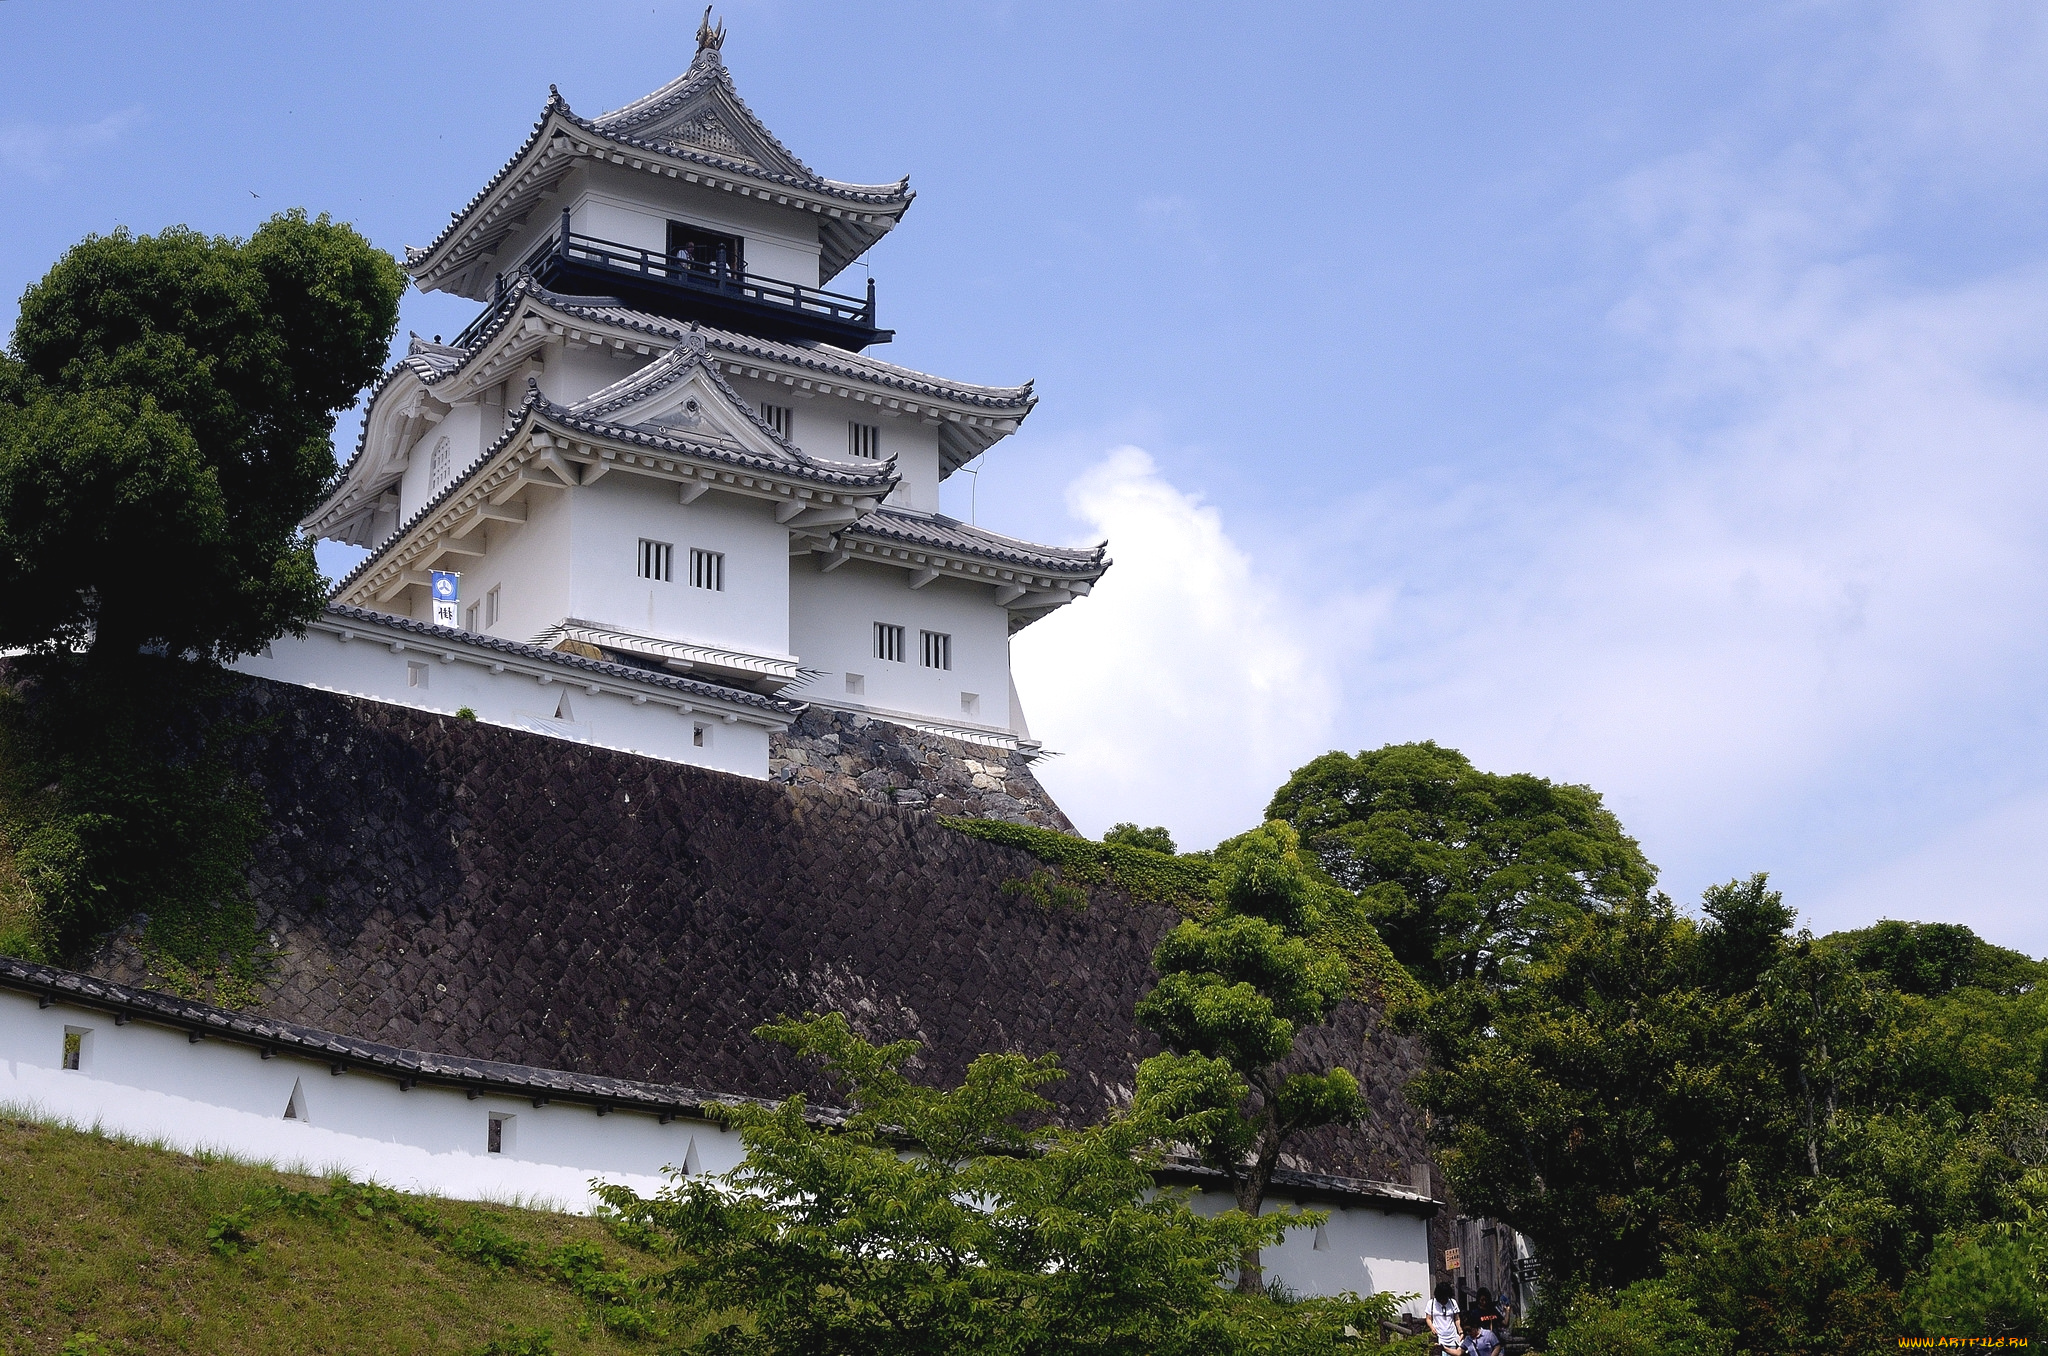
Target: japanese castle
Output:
[(677, 498)]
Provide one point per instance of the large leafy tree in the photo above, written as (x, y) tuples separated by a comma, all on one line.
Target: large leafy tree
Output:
[(1234, 991), (165, 416), (1601, 1105), (1460, 870), (929, 1221)]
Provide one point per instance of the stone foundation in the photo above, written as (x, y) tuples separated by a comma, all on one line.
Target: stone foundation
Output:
[(879, 761)]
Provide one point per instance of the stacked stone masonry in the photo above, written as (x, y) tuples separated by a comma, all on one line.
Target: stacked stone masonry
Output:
[(877, 760), (442, 885)]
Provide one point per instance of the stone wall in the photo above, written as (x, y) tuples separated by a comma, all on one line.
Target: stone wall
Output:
[(879, 761), (444, 885)]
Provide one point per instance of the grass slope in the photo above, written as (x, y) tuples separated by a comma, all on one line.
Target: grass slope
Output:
[(103, 1237)]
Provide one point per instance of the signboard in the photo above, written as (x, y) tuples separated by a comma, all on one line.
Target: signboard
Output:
[(444, 597), (1452, 1259)]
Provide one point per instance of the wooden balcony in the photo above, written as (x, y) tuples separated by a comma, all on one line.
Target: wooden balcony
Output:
[(710, 292)]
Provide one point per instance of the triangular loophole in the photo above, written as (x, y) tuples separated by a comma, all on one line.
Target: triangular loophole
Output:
[(295, 1105), (691, 1167), (563, 711)]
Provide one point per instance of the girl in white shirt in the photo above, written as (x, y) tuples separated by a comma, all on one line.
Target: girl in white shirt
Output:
[(1442, 1316)]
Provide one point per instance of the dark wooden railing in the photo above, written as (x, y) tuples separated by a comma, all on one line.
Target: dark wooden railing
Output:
[(713, 285)]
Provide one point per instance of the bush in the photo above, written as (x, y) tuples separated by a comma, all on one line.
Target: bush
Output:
[(1650, 1318)]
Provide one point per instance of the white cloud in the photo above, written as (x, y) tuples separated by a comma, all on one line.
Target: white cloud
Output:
[(1184, 690), (1784, 594), (1781, 592), (41, 150)]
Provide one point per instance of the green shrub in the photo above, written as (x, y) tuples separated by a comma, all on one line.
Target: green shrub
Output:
[(1183, 883), (1650, 1318)]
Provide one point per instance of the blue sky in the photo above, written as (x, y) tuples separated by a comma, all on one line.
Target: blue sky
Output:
[(1649, 396)]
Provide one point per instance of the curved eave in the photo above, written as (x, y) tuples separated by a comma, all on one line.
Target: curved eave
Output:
[(969, 419), (549, 447), (355, 486), (632, 446), (851, 217), (1029, 581)]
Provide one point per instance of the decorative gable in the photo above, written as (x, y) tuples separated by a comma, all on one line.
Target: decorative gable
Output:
[(680, 395)]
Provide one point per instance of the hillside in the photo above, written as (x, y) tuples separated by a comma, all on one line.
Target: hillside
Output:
[(112, 1239)]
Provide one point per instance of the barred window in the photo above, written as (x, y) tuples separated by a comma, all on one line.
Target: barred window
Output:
[(657, 560), (779, 418), (889, 642), (707, 570), (438, 465), (938, 649), (864, 440)]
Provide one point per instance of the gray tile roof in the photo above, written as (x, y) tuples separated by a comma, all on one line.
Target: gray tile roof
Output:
[(843, 238), (540, 654), (825, 359), (348, 1052), (537, 406), (938, 532), (707, 76)]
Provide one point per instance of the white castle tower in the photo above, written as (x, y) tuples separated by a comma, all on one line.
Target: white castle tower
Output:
[(662, 451)]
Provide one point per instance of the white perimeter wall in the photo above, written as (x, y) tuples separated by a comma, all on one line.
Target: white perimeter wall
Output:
[(367, 667), (832, 627), (1360, 1249), (149, 1083)]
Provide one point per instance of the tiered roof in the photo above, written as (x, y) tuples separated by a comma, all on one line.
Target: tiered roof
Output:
[(970, 417), (696, 129)]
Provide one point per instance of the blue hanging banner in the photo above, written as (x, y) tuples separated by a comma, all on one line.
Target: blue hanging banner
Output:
[(444, 597)]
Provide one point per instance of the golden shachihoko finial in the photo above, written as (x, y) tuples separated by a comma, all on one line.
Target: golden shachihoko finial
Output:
[(709, 38)]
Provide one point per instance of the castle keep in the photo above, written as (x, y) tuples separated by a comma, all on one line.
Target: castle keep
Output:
[(663, 447)]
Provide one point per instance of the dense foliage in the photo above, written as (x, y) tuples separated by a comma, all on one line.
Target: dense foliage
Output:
[(995, 1236), (165, 414), (1460, 871), (1234, 991), (1154, 839), (1138, 869)]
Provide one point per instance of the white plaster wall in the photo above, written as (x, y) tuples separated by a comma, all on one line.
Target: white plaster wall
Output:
[(819, 426), (573, 372), (523, 561), (462, 428), (915, 445), (831, 626), (611, 516), (368, 667), (149, 1083), (1362, 1249), (634, 208)]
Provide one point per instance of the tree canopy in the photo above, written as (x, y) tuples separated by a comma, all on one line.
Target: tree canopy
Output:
[(1459, 870), (941, 1221), (165, 415)]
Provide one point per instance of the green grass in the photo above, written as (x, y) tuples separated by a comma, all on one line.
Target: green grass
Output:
[(103, 1237)]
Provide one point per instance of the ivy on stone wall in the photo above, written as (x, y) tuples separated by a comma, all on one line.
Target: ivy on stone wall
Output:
[(1188, 884), (1183, 883)]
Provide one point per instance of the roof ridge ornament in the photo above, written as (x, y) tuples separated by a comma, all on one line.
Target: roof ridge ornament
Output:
[(710, 39)]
